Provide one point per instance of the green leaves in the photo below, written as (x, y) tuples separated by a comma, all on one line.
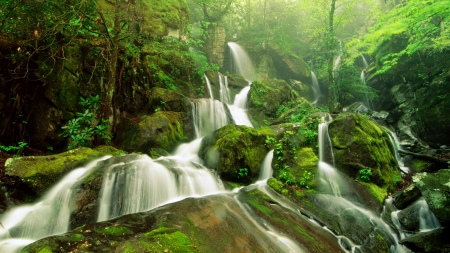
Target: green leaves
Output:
[(85, 127)]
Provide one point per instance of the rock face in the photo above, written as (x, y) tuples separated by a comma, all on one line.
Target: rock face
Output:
[(209, 224), (359, 144), (165, 130), (415, 93), (289, 66), (215, 44), (266, 97), (235, 149), (38, 173)]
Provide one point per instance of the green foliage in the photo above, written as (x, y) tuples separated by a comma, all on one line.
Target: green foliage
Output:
[(303, 182), (243, 172), (365, 174), (86, 126), (14, 149), (421, 24)]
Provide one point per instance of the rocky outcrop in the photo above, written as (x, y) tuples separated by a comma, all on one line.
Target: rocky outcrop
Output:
[(163, 129), (236, 152), (435, 188), (359, 144), (215, 44), (190, 226), (36, 174), (289, 66)]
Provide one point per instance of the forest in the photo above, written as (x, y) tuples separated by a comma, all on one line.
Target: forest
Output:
[(224, 125)]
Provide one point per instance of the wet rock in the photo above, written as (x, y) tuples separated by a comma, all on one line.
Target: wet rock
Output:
[(359, 144), (409, 217), (435, 188), (235, 149), (358, 107), (39, 173), (167, 100), (210, 224), (381, 115), (406, 197), (431, 241), (163, 129)]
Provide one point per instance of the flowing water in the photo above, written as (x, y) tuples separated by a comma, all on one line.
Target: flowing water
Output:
[(27, 223), (224, 91), (208, 84), (315, 86)]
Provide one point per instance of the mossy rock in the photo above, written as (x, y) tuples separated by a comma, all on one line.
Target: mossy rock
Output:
[(39, 173), (232, 148), (435, 188), (358, 144), (156, 18), (165, 130), (289, 66), (209, 224), (167, 100), (268, 95)]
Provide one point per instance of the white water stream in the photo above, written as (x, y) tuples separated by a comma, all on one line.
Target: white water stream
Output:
[(25, 224), (315, 86)]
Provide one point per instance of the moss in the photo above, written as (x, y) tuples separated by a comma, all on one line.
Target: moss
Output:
[(276, 184), (419, 165), (115, 231), (42, 172), (236, 147), (358, 143), (379, 193), (254, 200), (45, 250), (76, 237)]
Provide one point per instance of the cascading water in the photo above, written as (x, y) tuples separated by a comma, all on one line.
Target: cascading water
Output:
[(368, 101), (208, 116), (25, 224), (266, 167), (244, 67), (224, 91), (208, 84), (242, 63), (397, 146), (143, 184), (315, 87)]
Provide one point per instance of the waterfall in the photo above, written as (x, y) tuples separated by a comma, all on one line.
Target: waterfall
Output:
[(208, 116), (315, 87), (266, 167), (397, 146), (224, 91), (368, 101), (28, 223), (143, 184), (208, 84), (243, 64), (244, 67)]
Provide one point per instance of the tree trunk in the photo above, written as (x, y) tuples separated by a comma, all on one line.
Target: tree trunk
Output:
[(330, 48)]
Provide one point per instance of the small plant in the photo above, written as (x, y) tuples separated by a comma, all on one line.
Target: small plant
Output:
[(365, 174), (14, 149), (82, 129), (304, 179), (397, 180), (243, 172)]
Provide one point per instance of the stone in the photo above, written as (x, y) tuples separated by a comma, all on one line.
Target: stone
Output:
[(233, 148)]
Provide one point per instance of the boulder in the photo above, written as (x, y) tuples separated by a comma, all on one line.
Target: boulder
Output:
[(215, 223), (435, 188), (406, 197), (38, 173), (235, 149), (289, 66), (359, 144), (163, 129), (431, 241)]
